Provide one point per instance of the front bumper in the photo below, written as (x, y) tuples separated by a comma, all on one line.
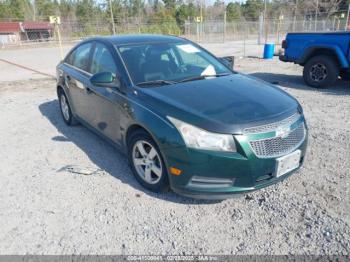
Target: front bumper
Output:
[(221, 175)]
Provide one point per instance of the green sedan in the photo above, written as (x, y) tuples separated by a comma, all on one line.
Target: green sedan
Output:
[(182, 116)]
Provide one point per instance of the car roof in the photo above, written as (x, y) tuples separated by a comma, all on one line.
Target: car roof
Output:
[(139, 39)]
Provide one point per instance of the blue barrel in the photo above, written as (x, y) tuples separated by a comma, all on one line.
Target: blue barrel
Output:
[(269, 50)]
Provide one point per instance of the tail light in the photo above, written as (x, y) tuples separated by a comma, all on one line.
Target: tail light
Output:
[(284, 44)]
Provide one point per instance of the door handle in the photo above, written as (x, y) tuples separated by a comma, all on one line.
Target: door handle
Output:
[(66, 79)]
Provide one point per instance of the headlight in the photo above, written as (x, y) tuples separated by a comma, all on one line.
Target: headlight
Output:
[(195, 137)]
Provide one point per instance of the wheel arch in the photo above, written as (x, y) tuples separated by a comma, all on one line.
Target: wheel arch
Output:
[(62, 88), (331, 51), (135, 127), (58, 88), (164, 135)]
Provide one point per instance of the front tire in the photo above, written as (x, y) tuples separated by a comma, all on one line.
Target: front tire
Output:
[(321, 71), (65, 108), (146, 162)]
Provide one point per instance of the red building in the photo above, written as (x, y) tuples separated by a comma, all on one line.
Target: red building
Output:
[(17, 32)]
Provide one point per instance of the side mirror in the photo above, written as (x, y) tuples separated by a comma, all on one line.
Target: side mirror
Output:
[(105, 79), (229, 61)]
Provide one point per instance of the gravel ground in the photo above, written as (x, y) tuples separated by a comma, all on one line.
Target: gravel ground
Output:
[(45, 209)]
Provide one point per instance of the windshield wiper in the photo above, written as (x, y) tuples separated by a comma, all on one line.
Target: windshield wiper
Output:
[(155, 82), (193, 78)]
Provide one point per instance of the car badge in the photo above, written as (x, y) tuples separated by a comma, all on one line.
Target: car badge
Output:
[(282, 131)]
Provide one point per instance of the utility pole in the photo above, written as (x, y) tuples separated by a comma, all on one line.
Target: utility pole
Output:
[(265, 20), (34, 10), (201, 22), (316, 14), (347, 19), (261, 28), (112, 18), (225, 18), (295, 14)]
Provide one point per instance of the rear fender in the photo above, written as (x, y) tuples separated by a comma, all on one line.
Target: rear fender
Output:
[(322, 49)]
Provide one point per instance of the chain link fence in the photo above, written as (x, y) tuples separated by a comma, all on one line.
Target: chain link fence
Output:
[(243, 38)]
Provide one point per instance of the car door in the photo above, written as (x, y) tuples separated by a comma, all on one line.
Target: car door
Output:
[(77, 77), (105, 106)]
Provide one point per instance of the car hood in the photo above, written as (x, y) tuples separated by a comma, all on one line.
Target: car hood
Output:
[(224, 104)]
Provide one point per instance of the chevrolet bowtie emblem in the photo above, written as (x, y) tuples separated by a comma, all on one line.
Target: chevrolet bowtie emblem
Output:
[(282, 131)]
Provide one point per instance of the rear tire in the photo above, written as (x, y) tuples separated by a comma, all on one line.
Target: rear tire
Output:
[(146, 162), (321, 71), (65, 108)]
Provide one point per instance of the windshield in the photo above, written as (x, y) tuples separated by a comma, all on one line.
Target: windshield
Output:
[(169, 62)]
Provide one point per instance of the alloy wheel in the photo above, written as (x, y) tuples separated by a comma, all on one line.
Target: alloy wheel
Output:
[(147, 162), (318, 72), (64, 107)]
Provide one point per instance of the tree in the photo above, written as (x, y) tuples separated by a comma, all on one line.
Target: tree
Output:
[(185, 12), (170, 4), (326, 8), (137, 7), (5, 10), (45, 8), (67, 9), (216, 11), (252, 9), (233, 11), (15, 9), (84, 11), (117, 9)]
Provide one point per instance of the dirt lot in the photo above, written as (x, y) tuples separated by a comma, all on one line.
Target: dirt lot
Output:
[(47, 210)]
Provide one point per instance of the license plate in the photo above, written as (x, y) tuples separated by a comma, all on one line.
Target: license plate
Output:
[(287, 163)]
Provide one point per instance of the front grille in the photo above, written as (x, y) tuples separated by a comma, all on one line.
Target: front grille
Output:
[(272, 126), (278, 146)]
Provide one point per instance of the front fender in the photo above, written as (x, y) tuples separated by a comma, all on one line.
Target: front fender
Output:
[(158, 126)]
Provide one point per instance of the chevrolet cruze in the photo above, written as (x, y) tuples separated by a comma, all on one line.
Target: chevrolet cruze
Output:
[(183, 117)]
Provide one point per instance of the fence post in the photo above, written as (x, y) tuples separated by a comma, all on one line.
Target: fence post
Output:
[(316, 14), (197, 27), (347, 19), (261, 26), (244, 39), (338, 25), (295, 15), (278, 31), (267, 29), (225, 26), (59, 39), (112, 18)]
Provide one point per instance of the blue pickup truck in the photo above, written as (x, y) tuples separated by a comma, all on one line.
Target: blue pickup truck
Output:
[(325, 56)]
